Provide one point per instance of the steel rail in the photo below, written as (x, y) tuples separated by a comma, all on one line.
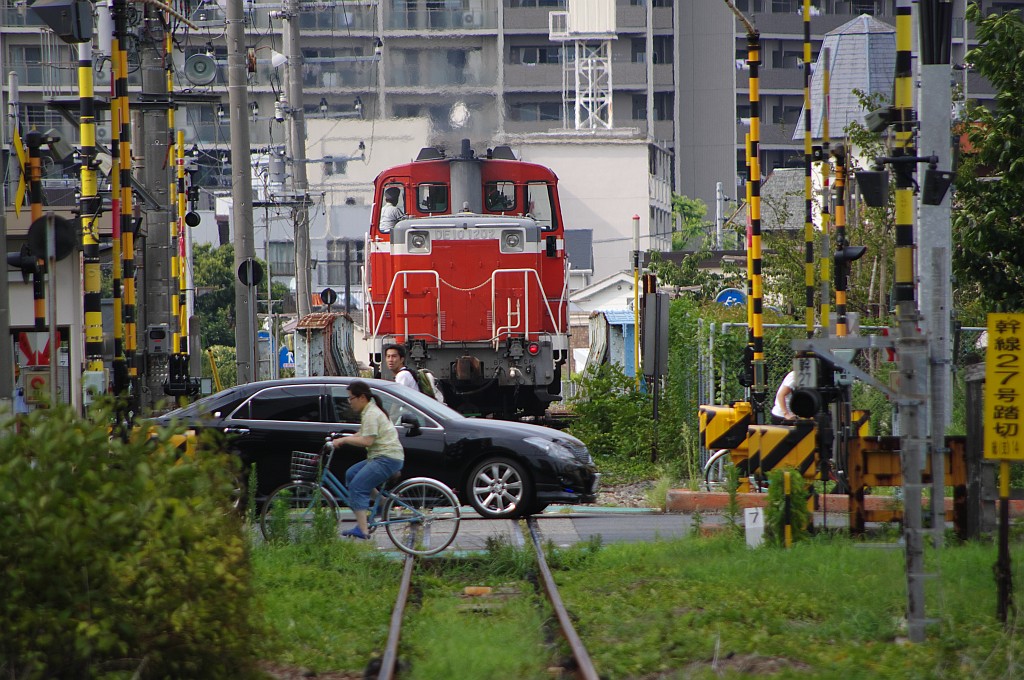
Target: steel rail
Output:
[(389, 662), (584, 666)]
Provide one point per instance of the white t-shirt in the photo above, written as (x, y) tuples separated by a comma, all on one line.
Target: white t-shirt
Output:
[(406, 378), (389, 216), (780, 410)]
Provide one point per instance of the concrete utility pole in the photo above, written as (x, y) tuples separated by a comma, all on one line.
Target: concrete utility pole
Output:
[(935, 98), (912, 346), (155, 174), (241, 188), (6, 344), (297, 153)]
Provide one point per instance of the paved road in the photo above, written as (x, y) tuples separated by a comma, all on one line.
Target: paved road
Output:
[(564, 530)]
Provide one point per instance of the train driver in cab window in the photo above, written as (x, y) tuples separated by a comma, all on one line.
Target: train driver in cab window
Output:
[(501, 197), (391, 212)]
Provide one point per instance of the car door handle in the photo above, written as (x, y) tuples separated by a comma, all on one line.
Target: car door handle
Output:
[(236, 430)]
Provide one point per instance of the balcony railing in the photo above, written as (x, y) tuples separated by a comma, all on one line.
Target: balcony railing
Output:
[(335, 16), (442, 19)]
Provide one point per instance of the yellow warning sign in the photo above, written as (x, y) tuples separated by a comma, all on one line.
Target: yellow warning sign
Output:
[(1004, 387)]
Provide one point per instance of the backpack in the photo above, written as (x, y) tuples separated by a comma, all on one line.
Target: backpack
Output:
[(427, 383)]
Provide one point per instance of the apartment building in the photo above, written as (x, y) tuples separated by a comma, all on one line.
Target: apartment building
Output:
[(780, 23)]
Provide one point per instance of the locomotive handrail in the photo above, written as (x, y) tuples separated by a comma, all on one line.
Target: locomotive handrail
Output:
[(495, 330), (391, 290)]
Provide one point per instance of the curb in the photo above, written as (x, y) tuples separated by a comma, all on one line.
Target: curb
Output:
[(684, 500)]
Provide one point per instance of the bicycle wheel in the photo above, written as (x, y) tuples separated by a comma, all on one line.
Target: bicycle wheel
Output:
[(422, 516), (299, 511), (716, 470)]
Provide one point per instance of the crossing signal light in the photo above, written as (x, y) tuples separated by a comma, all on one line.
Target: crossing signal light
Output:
[(23, 260), (842, 258)]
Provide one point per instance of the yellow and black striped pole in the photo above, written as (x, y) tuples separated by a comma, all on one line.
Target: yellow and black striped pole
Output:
[(34, 141), (120, 14), (119, 368), (825, 263), (808, 184), (757, 328), (178, 305), (176, 158), (904, 146), (841, 265), (90, 205)]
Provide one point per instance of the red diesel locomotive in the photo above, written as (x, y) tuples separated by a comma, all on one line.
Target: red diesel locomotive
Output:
[(470, 274)]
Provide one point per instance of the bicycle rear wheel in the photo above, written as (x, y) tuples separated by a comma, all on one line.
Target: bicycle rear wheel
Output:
[(422, 516), (299, 511)]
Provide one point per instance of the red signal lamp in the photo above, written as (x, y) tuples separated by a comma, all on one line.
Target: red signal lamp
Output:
[(533, 348)]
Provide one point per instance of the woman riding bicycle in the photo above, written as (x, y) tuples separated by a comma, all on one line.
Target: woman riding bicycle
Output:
[(384, 454)]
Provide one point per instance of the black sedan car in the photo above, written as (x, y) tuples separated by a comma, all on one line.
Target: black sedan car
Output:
[(503, 469)]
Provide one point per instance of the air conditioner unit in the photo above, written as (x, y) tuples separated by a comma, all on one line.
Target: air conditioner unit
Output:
[(103, 133), (470, 19)]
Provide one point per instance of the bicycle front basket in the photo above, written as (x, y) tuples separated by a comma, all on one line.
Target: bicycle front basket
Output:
[(305, 465)]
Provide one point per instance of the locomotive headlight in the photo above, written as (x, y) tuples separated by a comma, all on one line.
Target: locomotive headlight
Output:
[(419, 242), (511, 241)]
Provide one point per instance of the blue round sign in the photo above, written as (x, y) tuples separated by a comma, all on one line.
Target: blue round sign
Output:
[(731, 296)]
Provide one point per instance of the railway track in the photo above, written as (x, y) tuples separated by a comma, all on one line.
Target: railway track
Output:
[(581, 665)]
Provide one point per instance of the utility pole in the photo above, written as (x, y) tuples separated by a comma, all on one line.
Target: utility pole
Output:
[(934, 265), (297, 152), (6, 344), (155, 172), (912, 347), (241, 188)]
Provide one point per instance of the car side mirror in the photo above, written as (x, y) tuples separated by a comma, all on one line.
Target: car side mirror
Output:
[(413, 425)]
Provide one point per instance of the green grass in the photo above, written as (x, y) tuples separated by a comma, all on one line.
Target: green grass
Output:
[(690, 608)]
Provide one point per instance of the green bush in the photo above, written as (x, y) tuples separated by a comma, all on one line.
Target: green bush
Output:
[(118, 559), (775, 514)]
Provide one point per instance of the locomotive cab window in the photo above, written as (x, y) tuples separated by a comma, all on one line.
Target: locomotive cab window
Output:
[(432, 198), (539, 205), (392, 207), (500, 196)]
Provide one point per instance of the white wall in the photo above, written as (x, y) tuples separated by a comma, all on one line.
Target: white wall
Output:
[(602, 184)]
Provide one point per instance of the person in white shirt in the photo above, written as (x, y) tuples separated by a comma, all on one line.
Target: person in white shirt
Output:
[(391, 212), (394, 358), (781, 413)]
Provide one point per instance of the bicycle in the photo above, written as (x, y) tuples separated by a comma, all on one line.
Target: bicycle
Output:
[(420, 515)]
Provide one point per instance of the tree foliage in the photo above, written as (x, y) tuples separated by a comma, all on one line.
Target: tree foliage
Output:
[(988, 261), (119, 556), (214, 277)]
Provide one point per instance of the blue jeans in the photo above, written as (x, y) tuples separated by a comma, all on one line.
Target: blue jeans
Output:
[(367, 475)]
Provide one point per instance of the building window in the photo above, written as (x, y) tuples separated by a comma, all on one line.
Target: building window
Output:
[(537, 3), (639, 107), (865, 7), (663, 103), (338, 251), (535, 111), (663, 50), (783, 5), (282, 258), (406, 110), (530, 54)]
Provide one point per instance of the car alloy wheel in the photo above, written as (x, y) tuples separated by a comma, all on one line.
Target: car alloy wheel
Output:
[(499, 488)]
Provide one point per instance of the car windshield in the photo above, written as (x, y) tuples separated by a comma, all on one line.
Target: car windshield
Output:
[(206, 405), (428, 404)]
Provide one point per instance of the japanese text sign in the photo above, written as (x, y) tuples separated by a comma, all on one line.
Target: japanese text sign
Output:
[(1004, 387)]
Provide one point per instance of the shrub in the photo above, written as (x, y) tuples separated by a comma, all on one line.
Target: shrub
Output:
[(775, 514), (118, 556)]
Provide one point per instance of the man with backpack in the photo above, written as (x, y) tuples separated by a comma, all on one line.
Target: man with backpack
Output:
[(394, 358), (421, 381)]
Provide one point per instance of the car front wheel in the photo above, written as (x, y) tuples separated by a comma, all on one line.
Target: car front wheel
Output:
[(499, 489)]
